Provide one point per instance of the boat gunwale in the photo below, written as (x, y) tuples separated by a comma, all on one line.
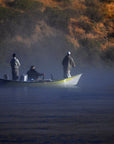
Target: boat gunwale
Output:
[(38, 83)]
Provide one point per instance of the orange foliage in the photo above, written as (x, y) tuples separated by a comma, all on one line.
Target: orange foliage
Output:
[(46, 2), (77, 4), (49, 3), (72, 24), (100, 31), (85, 19), (110, 10), (79, 32), (91, 36), (107, 45), (74, 29), (82, 27), (73, 40), (77, 27)]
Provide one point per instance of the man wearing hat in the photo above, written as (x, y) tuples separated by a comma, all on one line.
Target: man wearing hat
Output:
[(15, 64), (68, 63)]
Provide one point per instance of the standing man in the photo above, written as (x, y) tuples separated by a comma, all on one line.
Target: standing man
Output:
[(15, 64), (68, 63)]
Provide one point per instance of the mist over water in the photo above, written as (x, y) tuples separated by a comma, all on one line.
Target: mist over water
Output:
[(78, 115), (82, 114), (97, 78)]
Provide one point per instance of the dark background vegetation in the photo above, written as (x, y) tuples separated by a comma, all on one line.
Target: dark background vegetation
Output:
[(41, 32)]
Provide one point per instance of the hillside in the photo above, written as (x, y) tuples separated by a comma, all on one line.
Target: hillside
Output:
[(42, 30)]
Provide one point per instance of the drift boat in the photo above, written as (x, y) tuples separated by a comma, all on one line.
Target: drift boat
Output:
[(72, 81)]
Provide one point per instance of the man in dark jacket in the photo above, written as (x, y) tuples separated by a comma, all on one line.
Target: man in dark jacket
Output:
[(15, 64), (33, 74), (67, 63)]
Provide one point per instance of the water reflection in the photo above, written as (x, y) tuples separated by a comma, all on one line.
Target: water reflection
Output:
[(61, 115)]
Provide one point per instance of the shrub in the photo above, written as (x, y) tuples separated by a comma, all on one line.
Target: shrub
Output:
[(85, 24), (57, 17), (26, 4), (71, 13), (6, 13), (89, 51), (93, 10), (90, 45)]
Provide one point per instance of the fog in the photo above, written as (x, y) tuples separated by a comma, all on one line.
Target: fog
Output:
[(57, 115), (80, 114), (45, 47)]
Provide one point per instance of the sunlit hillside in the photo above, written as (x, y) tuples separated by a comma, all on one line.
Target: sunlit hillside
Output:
[(86, 28)]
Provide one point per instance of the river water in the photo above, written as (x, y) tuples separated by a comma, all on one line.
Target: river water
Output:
[(56, 116)]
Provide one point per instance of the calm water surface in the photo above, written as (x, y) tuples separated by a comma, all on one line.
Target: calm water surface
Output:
[(56, 116)]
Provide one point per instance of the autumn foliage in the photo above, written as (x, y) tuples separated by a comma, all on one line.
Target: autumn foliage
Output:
[(86, 23)]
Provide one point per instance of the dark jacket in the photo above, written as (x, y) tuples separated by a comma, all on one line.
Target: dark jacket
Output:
[(33, 74), (68, 62)]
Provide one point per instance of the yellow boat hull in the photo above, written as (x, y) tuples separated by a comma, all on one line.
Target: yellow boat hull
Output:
[(72, 81)]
